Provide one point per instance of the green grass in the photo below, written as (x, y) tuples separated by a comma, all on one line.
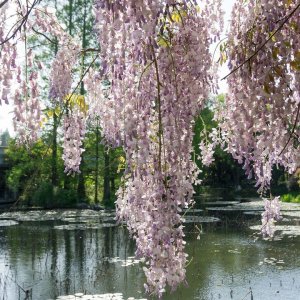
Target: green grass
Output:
[(293, 197)]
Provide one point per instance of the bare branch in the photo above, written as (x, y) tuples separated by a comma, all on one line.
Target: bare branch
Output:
[(90, 50), (22, 23), (3, 3), (44, 35)]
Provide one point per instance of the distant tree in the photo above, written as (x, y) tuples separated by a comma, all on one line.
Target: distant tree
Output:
[(4, 138)]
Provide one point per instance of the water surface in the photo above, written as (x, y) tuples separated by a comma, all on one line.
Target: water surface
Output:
[(226, 263)]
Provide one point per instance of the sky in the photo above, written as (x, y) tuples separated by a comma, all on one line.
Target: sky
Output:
[(6, 110)]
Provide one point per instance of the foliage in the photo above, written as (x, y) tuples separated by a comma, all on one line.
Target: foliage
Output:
[(26, 170), (49, 196), (29, 173), (293, 197)]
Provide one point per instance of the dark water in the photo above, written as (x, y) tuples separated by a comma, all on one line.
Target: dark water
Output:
[(225, 264)]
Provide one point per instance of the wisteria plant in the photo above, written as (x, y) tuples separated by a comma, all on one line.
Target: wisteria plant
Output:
[(156, 72)]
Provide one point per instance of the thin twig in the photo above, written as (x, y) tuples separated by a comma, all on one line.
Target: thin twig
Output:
[(19, 27), (144, 71), (160, 131), (293, 130), (44, 35), (3, 3), (218, 45), (90, 50)]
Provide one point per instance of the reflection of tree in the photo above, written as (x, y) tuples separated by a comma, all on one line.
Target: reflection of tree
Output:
[(61, 262), (67, 261), (80, 240), (53, 255)]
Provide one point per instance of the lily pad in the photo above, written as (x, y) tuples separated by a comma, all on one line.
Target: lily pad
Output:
[(83, 226), (192, 211), (252, 213), (6, 223), (221, 203), (290, 230), (130, 261), (200, 219), (69, 215), (107, 296), (227, 209)]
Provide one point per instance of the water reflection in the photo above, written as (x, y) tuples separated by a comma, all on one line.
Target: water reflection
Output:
[(46, 262)]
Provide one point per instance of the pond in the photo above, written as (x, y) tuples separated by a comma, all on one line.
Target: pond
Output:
[(51, 258)]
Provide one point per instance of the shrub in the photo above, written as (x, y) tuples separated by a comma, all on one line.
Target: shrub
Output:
[(48, 196)]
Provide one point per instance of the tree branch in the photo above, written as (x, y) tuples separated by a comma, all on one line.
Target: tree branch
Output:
[(266, 41), (90, 50), (160, 129), (23, 22), (44, 35), (293, 130), (3, 3)]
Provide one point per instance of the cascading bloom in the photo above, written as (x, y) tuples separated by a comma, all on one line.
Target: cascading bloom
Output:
[(95, 97), (261, 114), (27, 110), (68, 53), (270, 216), (7, 59), (156, 56), (61, 78), (74, 131), (21, 82), (22, 87)]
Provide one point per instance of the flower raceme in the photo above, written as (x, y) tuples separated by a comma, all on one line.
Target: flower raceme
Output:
[(156, 56), (270, 216), (260, 119), (261, 116)]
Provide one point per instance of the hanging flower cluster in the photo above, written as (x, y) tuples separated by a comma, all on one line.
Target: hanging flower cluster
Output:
[(74, 132), (17, 85), (27, 111), (7, 59), (270, 216), (156, 57), (21, 84), (261, 118), (61, 78), (95, 96)]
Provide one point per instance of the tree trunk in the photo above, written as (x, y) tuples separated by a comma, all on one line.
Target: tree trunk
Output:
[(81, 194), (81, 184), (97, 164), (106, 184), (70, 16), (54, 175), (54, 178), (112, 184)]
